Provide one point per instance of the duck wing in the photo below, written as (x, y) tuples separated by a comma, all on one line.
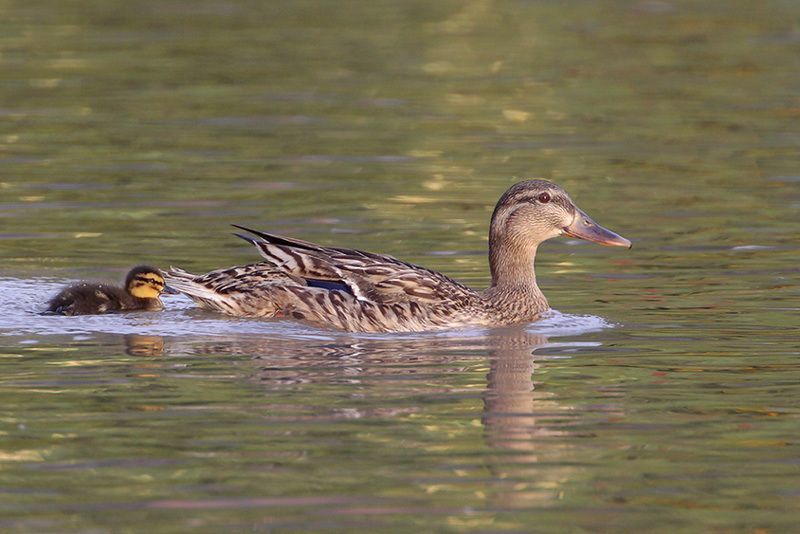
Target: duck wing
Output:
[(369, 277)]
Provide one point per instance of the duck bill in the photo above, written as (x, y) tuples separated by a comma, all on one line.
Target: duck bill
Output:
[(583, 227)]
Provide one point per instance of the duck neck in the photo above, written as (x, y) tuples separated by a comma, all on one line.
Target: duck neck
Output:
[(514, 295), (512, 265)]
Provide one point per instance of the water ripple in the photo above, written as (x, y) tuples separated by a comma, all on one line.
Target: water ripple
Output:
[(22, 317)]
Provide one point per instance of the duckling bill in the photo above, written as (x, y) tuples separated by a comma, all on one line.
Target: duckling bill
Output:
[(142, 292)]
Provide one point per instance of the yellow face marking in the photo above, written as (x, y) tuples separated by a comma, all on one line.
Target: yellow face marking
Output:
[(147, 286)]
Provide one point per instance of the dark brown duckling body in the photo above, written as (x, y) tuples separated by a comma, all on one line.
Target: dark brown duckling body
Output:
[(143, 287)]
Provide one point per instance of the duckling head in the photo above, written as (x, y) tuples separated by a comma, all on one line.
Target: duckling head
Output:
[(534, 211), (145, 282)]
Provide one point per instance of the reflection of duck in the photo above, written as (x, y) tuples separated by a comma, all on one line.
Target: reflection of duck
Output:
[(428, 383), (143, 287), (361, 291), (531, 428)]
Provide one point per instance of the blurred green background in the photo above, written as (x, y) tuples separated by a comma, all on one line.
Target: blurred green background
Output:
[(137, 131)]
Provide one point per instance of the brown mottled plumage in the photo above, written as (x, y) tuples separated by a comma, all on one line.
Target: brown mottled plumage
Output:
[(365, 292), (143, 287)]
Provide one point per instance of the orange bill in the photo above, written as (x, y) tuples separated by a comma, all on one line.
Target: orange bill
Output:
[(583, 227)]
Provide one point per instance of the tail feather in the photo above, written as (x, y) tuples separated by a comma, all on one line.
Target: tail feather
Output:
[(185, 282), (251, 240), (277, 239)]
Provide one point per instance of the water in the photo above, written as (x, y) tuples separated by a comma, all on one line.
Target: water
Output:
[(660, 395)]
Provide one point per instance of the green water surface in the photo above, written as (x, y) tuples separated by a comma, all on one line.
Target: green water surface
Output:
[(664, 395)]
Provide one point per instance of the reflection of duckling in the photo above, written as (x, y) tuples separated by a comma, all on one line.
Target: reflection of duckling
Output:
[(139, 345), (143, 286)]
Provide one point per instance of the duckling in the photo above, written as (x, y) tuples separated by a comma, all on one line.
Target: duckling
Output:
[(143, 287)]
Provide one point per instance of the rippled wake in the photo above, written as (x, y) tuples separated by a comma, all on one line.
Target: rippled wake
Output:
[(22, 316)]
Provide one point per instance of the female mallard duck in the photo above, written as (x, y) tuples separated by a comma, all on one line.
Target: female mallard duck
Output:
[(143, 287), (364, 292)]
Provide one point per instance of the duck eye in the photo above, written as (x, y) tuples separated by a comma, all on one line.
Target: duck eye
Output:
[(544, 198)]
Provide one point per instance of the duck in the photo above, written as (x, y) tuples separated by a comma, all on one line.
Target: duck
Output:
[(142, 292), (357, 291)]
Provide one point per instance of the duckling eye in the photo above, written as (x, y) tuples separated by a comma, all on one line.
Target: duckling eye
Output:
[(544, 198)]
